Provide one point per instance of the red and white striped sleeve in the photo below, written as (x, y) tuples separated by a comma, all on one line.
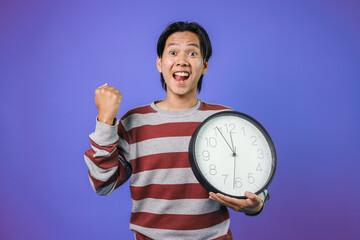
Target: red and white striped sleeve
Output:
[(108, 167)]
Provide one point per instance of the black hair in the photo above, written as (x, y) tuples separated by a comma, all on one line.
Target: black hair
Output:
[(205, 44)]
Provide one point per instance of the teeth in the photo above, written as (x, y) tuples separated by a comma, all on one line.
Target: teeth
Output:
[(182, 74)]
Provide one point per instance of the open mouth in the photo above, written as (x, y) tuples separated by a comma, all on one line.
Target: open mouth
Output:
[(181, 76)]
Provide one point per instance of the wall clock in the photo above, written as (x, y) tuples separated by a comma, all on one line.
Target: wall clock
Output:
[(230, 153)]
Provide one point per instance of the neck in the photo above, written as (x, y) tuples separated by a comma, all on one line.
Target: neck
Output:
[(177, 103)]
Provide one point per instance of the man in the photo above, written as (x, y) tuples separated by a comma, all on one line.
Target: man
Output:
[(151, 143)]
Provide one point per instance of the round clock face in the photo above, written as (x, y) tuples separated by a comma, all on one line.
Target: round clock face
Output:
[(230, 153)]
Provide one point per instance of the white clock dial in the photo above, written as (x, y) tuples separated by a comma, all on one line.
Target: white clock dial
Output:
[(233, 153)]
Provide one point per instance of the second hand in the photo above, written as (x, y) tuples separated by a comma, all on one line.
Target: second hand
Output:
[(234, 167)]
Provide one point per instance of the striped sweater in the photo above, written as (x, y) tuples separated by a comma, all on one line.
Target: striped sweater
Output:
[(151, 145)]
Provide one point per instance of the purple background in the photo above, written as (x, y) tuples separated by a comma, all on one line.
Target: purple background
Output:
[(293, 65)]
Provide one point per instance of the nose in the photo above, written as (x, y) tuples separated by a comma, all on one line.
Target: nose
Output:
[(182, 60)]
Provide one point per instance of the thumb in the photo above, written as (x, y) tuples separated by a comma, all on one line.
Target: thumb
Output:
[(250, 195)]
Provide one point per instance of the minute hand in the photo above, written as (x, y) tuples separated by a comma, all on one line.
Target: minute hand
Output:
[(225, 140), (232, 144)]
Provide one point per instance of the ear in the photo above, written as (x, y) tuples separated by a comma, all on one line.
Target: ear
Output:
[(158, 64), (206, 64)]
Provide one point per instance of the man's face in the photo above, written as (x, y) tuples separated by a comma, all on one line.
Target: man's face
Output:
[(182, 63)]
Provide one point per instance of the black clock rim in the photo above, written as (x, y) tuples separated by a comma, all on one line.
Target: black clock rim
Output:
[(194, 166)]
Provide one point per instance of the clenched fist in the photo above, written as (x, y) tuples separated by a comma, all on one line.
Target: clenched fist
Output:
[(107, 100)]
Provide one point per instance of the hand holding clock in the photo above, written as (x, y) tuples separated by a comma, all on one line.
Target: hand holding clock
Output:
[(252, 205)]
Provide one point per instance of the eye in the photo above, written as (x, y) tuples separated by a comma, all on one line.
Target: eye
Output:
[(192, 54), (172, 53)]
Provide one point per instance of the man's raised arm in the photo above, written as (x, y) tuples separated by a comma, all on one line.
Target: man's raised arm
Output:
[(106, 161)]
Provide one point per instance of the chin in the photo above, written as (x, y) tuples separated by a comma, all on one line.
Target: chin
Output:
[(183, 93)]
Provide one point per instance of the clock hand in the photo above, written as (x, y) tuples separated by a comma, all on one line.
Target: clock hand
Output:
[(225, 140), (232, 144), (234, 166)]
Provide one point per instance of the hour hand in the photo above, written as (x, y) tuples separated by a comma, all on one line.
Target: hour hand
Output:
[(225, 140)]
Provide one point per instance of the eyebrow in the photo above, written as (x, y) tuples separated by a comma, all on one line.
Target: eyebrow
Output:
[(190, 44)]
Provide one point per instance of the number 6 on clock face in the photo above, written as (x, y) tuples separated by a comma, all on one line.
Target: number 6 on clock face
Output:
[(230, 153)]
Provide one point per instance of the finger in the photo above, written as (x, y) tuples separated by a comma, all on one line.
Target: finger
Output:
[(102, 87), (110, 88), (253, 198), (214, 197), (242, 203), (250, 195), (228, 201), (231, 200)]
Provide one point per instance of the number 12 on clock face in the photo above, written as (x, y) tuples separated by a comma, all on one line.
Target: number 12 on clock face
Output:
[(230, 153)]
